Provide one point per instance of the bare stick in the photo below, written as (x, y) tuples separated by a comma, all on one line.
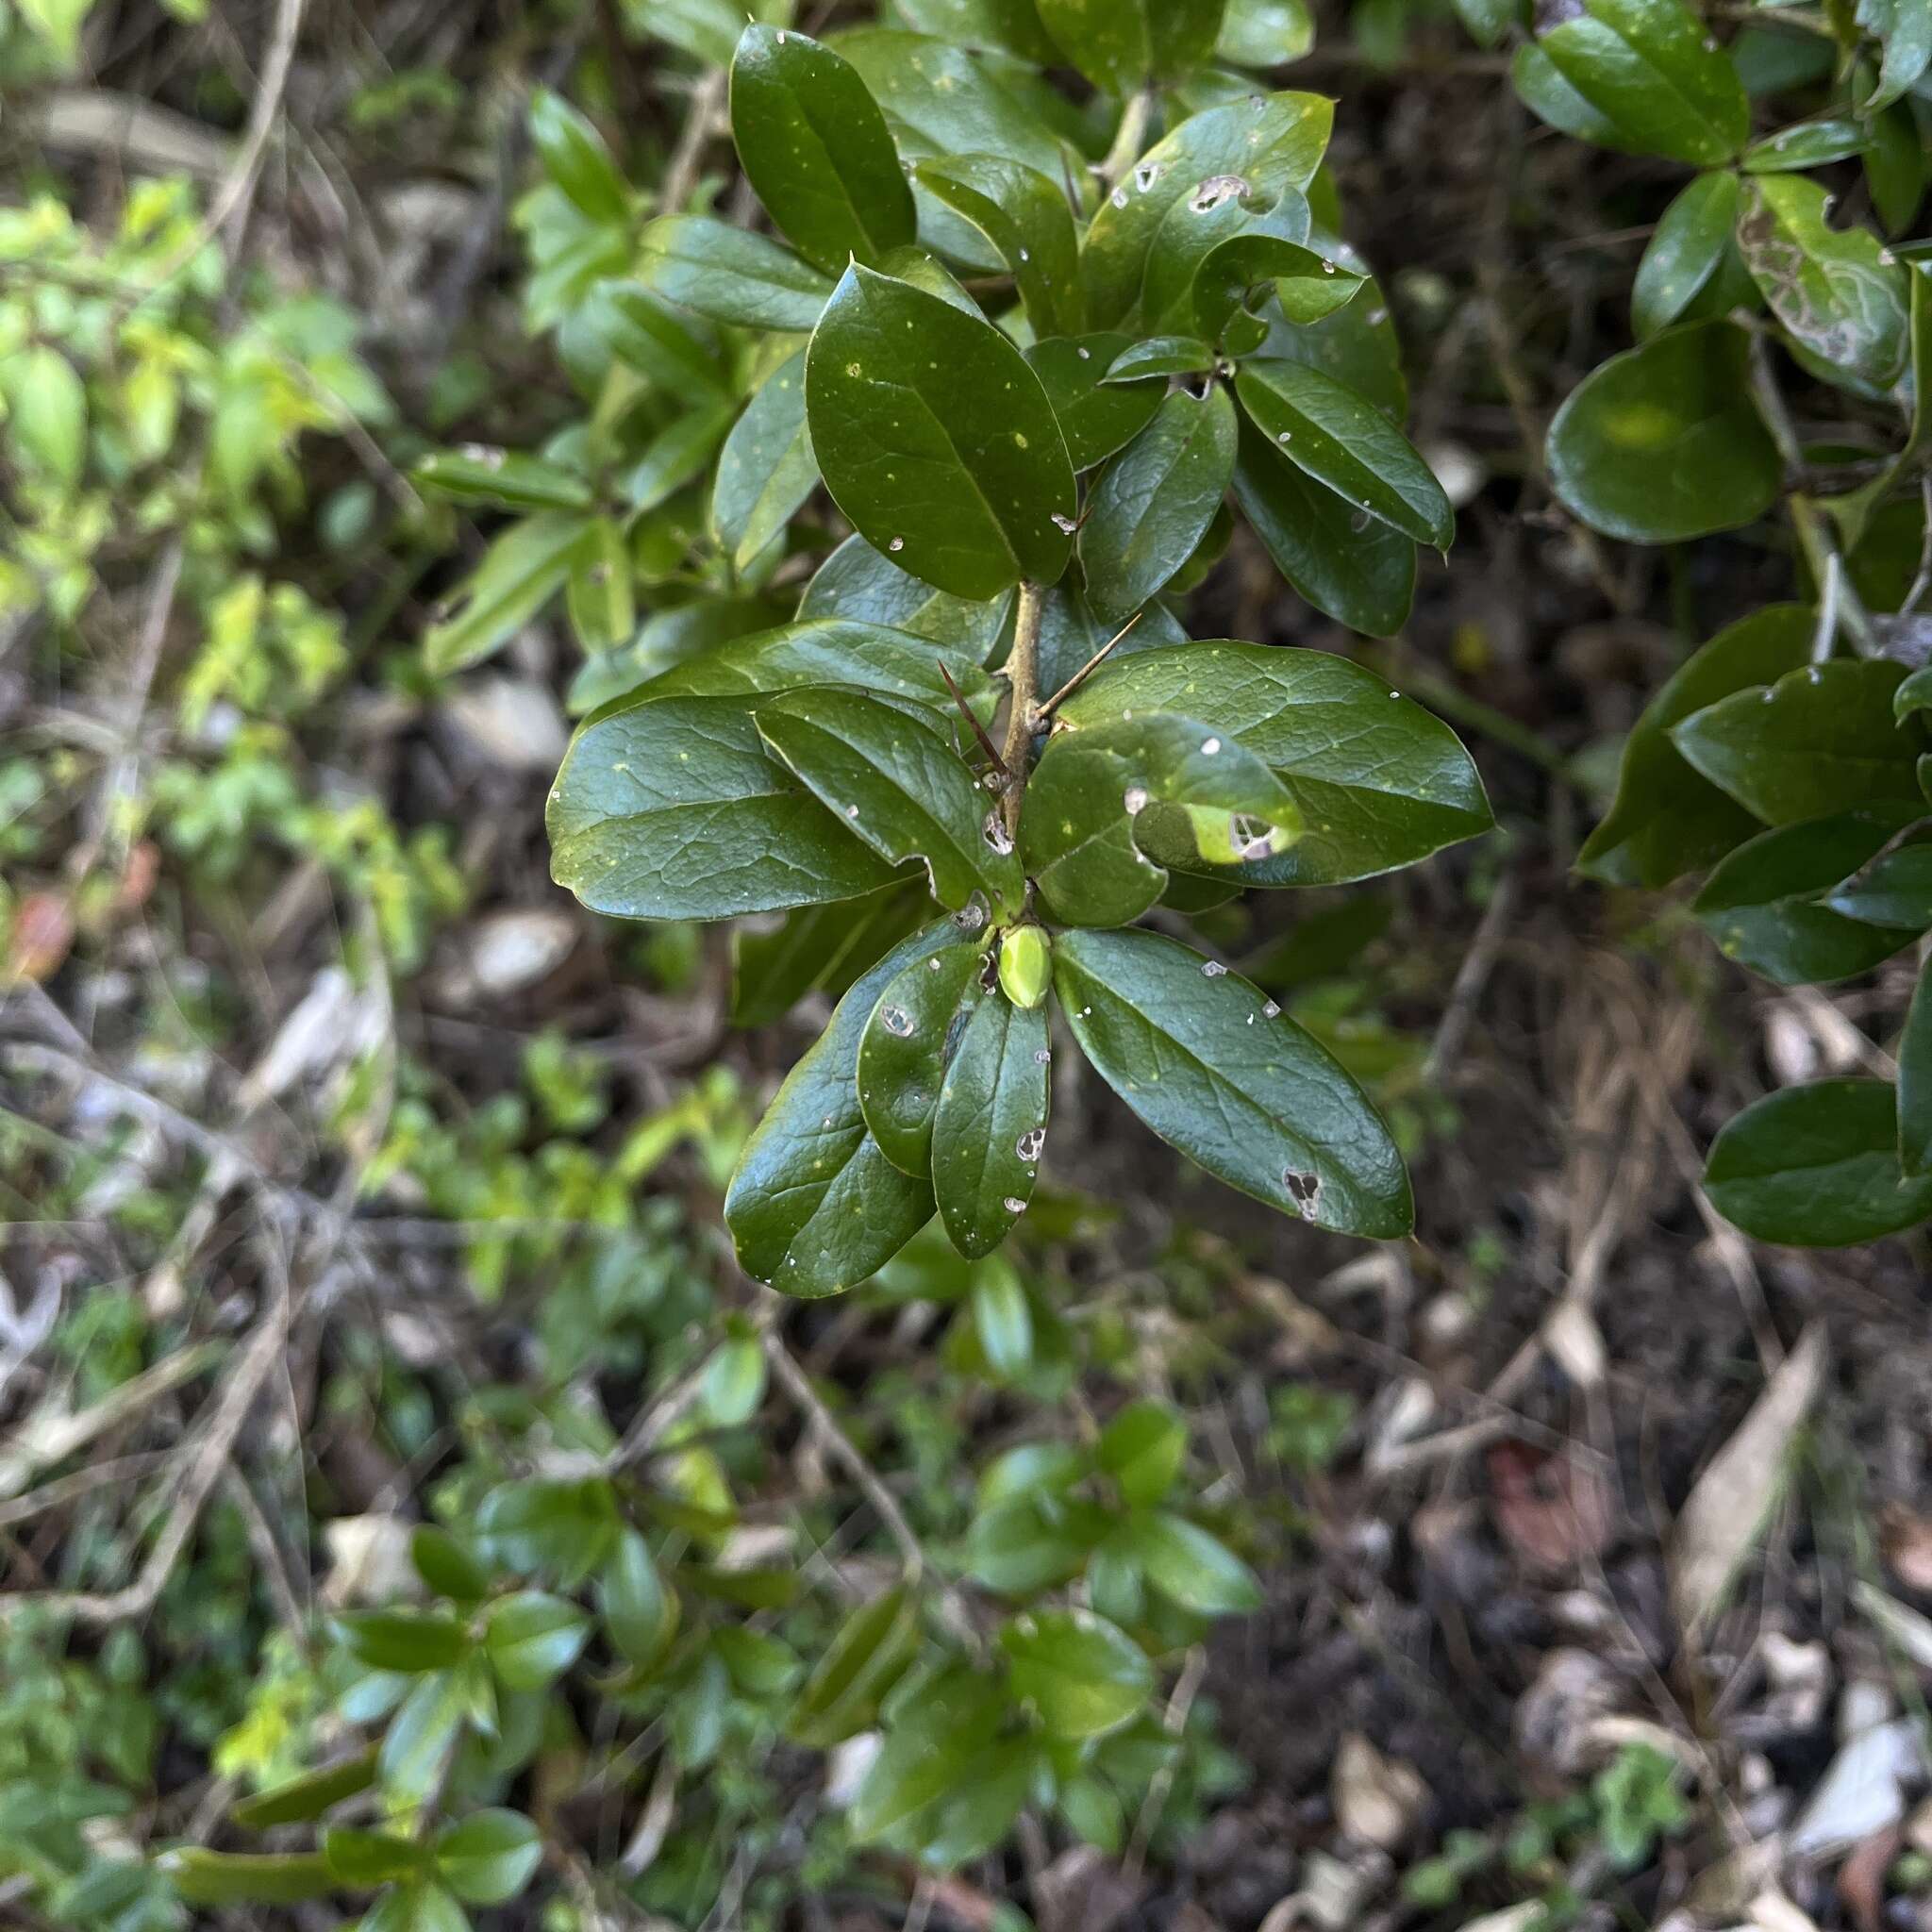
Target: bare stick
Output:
[(1079, 677)]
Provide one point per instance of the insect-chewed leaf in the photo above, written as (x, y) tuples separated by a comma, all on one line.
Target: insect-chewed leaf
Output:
[(1119, 44), (1264, 144), (816, 148), (1091, 786), (1648, 69), (1380, 782), (731, 275), (1156, 499), (1341, 439), (1222, 209), (1667, 818), (765, 470), (1661, 443), (1816, 1167), (1026, 217), (991, 1124), (892, 776), (672, 809), (857, 583), (1096, 416), (1838, 293), (814, 1206), (1220, 1073), (1819, 741), (937, 440), (1359, 571), (1684, 252), (906, 1045)]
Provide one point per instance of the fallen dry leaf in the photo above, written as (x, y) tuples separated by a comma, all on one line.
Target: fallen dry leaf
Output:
[(43, 932), (1551, 1509), (1377, 1800), (1905, 1540)]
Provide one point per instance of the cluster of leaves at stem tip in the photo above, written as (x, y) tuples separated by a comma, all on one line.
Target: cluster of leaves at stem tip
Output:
[(1032, 349), (1788, 758)]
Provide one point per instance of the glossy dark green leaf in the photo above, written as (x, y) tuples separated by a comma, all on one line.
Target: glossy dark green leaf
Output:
[(937, 440), (1081, 1673), (894, 779), (730, 273), (672, 809), (765, 469), (1905, 29), (1096, 416), (246, 1878), (1161, 356), (907, 1043), (1027, 219), (489, 1856), (1684, 252), (1649, 68), (1816, 1167), (1541, 85), (1667, 818), (1143, 1448), (531, 1638), (818, 949), (1819, 741), (575, 157), (1352, 568), (1380, 782), (640, 1613), (870, 1653), (1662, 444), (1356, 345), (859, 583), (411, 1640), (1007, 27), (1809, 145), (563, 1525), (1307, 284), (1341, 439), (300, 1799), (1915, 1084), (1220, 1073), (1894, 890), (1154, 502), (1761, 903), (816, 149), (1272, 142), (814, 1206), (1220, 214), (1196, 1569), (1092, 785), (991, 1124), (1120, 44), (671, 349), (521, 571), (1835, 291), (1897, 168), (502, 479)]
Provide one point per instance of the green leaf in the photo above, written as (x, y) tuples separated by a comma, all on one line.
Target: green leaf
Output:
[(1647, 67), (669, 349), (1070, 634), (1906, 31), (1120, 45), (675, 456), (869, 1656), (1352, 568), (818, 948), (1219, 1072), (1307, 284), (301, 1799), (816, 149), (489, 1856), (1809, 144), (1380, 782), (361, 1860), (892, 776), (1026, 218), (1028, 1543), (521, 571), (761, 1666), (1274, 143), (1007, 27), (1540, 86), (730, 273), (1096, 416), (1082, 1674), (1837, 291), (944, 1727), (905, 1046), (531, 1638), (1161, 356), (1182, 289), (1684, 252), (937, 440), (1894, 890), (600, 595), (1667, 818), (814, 1206), (991, 1122), (672, 809), (1819, 741), (734, 1383), (1092, 785), (45, 421), (1156, 499), (858, 583), (1816, 1167), (245, 1878), (446, 1566), (1915, 1084), (1341, 439), (575, 157), (1661, 443), (639, 1614), (1264, 33), (502, 479), (766, 469), (421, 1738), (410, 1640), (1195, 1570), (1002, 1318), (1760, 904), (415, 1908), (1143, 1448), (563, 1525), (1897, 167)]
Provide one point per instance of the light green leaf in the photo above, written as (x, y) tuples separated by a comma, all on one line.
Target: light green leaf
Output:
[(531, 1638), (1809, 144), (1264, 33), (245, 1878), (1002, 1318), (1196, 1569), (502, 479), (521, 571), (639, 1614), (421, 1735), (489, 1856), (575, 157), (671, 351), (1120, 45), (411, 1640), (1082, 1674), (991, 1124), (675, 456), (869, 1656), (926, 1753), (1143, 1448)]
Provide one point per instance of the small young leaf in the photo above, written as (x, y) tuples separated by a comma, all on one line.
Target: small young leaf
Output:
[(991, 1124), (730, 273), (1219, 1072), (906, 1045), (1196, 1569), (421, 1737), (1002, 1318), (927, 1752), (639, 1614), (1083, 1675), (410, 1640), (1684, 252), (489, 1856), (1143, 1448), (446, 1566), (575, 157), (531, 1638)]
